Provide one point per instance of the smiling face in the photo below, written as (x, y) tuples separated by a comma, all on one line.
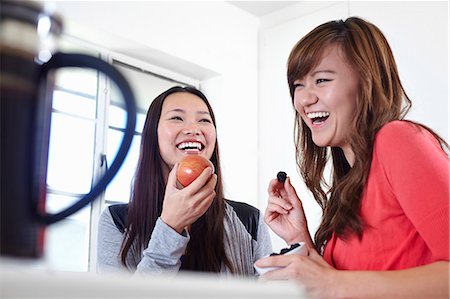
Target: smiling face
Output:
[(326, 99), (185, 128)]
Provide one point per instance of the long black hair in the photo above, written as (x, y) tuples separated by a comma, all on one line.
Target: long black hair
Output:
[(205, 251)]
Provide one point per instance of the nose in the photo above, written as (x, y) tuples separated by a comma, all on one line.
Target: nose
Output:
[(192, 130), (306, 97)]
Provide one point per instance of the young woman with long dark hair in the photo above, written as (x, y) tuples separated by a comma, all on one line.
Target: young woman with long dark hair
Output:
[(167, 228), (385, 226)]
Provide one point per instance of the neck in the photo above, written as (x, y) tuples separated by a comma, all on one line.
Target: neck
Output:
[(349, 155)]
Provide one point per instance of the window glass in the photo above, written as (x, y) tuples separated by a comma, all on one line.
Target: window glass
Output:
[(81, 80), (117, 117), (74, 104), (140, 122), (120, 187), (67, 242), (71, 151)]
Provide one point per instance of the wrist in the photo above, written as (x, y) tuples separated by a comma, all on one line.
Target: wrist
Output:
[(294, 240), (338, 285), (301, 238), (172, 224)]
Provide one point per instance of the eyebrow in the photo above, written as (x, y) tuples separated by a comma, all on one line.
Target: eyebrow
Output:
[(201, 112), (317, 72), (323, 71)]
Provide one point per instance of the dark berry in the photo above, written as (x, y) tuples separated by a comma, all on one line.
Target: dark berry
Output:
[(281, 176)]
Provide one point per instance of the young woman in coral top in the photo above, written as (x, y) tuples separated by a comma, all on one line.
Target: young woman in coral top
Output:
[(385, 226)]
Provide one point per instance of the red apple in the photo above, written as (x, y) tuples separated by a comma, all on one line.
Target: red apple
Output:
[(191, 167)]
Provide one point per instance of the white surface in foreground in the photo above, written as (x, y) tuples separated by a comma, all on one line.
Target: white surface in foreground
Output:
[(22, 282)]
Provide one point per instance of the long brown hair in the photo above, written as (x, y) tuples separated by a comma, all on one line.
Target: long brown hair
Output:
[(205, 251), (381, 98)]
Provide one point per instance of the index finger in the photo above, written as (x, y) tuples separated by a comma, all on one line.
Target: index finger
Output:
[(200, 181), (274, 188), (274, 261)]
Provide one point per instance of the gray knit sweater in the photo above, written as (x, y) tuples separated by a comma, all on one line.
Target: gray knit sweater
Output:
[(166, 247)]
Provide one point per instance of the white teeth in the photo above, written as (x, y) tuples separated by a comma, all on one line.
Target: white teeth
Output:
[(190, 145), (317, 114)]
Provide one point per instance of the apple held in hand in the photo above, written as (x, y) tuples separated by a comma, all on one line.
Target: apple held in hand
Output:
[(191, 167)]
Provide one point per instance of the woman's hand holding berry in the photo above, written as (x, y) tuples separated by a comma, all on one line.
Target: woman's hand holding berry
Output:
[(285, 215)]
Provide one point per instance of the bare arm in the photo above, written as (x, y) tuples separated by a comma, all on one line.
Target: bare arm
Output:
[(429, 281), (322, 281)]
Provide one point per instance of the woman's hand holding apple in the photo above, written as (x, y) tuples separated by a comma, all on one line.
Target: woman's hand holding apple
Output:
[(182, 207)]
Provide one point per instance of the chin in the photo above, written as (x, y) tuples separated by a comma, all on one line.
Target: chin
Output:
[(320, 143)]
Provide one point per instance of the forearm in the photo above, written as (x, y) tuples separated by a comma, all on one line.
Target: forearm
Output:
[(429, 281), (155, 264), (164, 250)]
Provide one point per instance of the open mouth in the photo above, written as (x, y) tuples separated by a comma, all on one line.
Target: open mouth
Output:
[(192, 146), (318, 118)]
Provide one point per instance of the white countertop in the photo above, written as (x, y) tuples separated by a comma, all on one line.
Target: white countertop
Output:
[(21, 282)]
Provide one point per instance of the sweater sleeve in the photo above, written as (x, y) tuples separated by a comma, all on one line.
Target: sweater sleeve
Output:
[(163, 253), (417, 170), (164, 250), (108, 245), (263, 244)]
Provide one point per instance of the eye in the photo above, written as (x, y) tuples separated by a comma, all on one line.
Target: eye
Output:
[(318, 81), (298, 85), (205, 120), (176, 118)]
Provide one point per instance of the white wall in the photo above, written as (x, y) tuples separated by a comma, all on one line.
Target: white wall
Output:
[(213, 42), (418, 34)]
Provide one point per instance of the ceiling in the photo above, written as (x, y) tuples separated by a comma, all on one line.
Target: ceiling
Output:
[(261, 8)]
